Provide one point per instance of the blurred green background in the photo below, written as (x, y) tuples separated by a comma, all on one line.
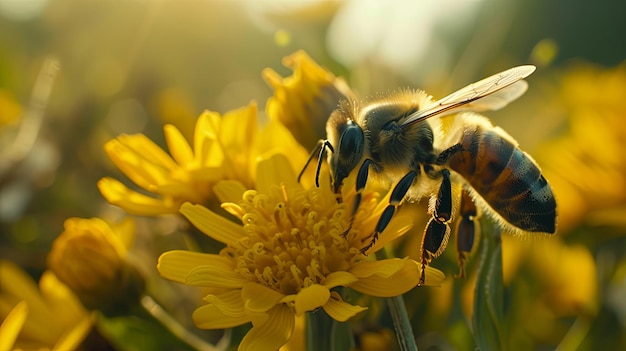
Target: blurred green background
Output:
[(131, 66)]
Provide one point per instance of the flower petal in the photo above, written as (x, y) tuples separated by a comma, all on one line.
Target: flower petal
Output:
[(211, 276), (230, 303), (383, 268), (339, 278), (274, 171), (275, 138), (340, 310), (147, 149), (132, 155), (433, 277), (205, 146), (176, 265), (73, 339), (210, 317), (386, 278), (398, 226), (272, 334), (133, 202), (259, 298), (177, 144), (12, 325), (310, 298), (229, 191), (16, 283), (212, 224)]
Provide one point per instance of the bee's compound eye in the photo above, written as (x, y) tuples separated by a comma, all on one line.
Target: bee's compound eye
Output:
[(352, 139), (348, 153)]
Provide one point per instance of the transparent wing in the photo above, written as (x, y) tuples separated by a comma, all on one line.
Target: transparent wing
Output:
[(491, 93)]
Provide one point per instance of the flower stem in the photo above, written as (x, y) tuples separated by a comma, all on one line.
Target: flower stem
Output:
[(400, 317), (156, 311), (487, 318)]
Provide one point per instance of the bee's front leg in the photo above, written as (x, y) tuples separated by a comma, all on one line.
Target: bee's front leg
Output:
[(397, 195), (437, 231)]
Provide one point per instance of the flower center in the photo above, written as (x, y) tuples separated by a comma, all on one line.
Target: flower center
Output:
[(295, 238)]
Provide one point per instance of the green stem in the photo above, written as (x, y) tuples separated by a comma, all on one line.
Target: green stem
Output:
[(487, 318), (400, 317), (156, 311), (319, 326)]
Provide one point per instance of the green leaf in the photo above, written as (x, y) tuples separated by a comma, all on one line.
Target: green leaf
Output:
[(487, 319)]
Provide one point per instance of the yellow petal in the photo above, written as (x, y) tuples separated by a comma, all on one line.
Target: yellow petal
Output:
[(207, 150), (210, 317), (340, 310), (259, 298), (12, 325), (387, 279), (76, 335), (212, 224), (229, 191), (398, 226), (382, 268), (339, 278), (275, 138), (239, 128), (145, 148), (125, 230), (15, 282), (310, 298), (178, 145), (274, 171), (211, 276), (60, 299), (133, 202), (176, 265), (433, 277), (137, 165), (229, 303), (272, 334)]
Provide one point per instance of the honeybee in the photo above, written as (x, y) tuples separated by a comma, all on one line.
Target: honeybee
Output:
[(400, 139)]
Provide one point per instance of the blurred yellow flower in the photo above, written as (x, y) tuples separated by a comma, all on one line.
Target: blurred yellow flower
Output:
[(90, 258), (303, 101), (46, 318), (288, 256), (224, 147), (586, 164), (10, 109)]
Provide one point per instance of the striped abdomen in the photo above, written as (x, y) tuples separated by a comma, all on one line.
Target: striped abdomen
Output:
[(506, 178)]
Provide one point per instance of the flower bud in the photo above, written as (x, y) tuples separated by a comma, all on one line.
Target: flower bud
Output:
[(90, 258)]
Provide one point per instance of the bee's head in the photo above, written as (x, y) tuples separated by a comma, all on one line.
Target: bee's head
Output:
[(348, 141)]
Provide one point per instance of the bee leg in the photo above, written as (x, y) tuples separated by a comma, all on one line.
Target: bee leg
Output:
[(397, 195), (361, 180), (437, 230), (443, 157), (466, 231)]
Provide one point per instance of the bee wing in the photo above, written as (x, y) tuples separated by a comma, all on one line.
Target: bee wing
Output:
[(491, 93)]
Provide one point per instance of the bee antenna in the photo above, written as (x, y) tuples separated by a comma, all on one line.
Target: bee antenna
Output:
[(325, 144), (320, 151)]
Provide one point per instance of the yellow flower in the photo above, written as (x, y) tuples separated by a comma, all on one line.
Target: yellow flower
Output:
[(10, 109), (586, 165), (44, 318), (90, 258), (303, 101), (224, 147), (288, 256)]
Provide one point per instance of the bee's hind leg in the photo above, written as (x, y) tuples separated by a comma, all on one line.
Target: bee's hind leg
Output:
[(397, 195), (437, 230)]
